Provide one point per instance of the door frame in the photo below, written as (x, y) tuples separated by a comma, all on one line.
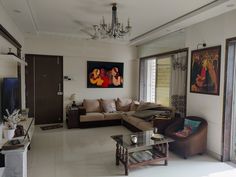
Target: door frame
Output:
[(227, 104), (62, 75)]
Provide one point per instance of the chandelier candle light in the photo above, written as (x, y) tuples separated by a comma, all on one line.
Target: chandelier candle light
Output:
[(114, 30)]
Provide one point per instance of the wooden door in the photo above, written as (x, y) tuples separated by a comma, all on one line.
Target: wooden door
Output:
[(44, 88)]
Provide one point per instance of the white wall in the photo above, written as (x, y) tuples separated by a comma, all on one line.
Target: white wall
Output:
[(10, 69), (76, 53), (167, 43), (214, 32)]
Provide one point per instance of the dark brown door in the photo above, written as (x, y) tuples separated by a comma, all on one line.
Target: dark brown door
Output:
[(44, 88)]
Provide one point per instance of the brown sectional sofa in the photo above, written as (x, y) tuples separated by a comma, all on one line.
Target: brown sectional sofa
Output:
[(121, 113)]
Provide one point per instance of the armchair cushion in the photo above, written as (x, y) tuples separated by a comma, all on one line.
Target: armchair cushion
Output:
[(192, 124), (185, 132)]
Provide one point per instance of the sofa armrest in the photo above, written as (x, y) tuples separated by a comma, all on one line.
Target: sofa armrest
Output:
[(82, 110)]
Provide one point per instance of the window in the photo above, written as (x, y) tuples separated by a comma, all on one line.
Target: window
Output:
[(155, 80), (163, 80)]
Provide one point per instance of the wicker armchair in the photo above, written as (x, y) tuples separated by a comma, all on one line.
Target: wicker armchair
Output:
[(192, 144)]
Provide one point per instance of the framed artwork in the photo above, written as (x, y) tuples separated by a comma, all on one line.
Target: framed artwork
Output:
[(205, 71), (105, 74)]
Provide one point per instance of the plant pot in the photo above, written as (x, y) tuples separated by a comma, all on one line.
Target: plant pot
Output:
[(9, 134)]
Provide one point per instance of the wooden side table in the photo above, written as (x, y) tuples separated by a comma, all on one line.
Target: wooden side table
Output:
[(72, 117), (162, 123)]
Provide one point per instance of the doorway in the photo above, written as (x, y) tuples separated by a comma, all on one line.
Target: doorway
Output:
[(229, 117), (44, 88)]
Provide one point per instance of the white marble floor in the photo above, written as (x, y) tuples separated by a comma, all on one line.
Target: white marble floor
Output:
[(91, 152)]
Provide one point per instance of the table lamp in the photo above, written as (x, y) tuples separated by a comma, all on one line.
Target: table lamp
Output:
[(73, 99)]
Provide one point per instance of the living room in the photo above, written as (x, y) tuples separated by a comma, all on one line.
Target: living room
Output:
[(191, 26)]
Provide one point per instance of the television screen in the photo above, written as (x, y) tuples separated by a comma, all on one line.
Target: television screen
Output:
[(10, 95)]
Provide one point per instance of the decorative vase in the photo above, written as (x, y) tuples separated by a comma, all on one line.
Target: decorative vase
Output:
[(9, 134), (134, 139)]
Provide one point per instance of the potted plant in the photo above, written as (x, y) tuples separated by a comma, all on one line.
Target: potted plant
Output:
[(11, 121)]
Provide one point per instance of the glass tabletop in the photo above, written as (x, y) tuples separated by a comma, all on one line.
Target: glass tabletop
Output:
[(144, 139)]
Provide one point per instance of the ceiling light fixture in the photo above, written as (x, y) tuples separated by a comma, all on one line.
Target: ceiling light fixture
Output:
[(115, 30)]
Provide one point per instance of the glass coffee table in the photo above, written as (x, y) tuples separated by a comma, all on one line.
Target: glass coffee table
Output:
[(147, 150)]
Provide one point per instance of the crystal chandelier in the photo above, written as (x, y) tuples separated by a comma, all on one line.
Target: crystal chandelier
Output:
[(114, 30)]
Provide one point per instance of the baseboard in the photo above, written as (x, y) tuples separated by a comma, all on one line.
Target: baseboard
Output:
[(214, 155)]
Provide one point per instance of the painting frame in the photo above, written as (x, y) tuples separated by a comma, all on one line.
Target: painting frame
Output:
[(205, 70), (103, 74)]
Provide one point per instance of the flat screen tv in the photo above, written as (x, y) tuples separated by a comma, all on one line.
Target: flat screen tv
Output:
[(10, 95)]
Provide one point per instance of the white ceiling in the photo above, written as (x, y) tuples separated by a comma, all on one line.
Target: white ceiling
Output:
[(68, 17)]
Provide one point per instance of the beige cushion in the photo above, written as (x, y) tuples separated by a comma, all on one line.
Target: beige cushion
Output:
[(123, 104), (112, 116), (108, 105), (93, 116), (92, 105), (134, 105)]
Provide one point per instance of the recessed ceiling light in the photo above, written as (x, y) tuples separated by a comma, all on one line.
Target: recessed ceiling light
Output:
[(16, 11), (230, 5)]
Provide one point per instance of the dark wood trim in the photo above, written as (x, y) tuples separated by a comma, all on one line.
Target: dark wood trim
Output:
[(216, 47), (165, 53), (11, 39), (95, 124), (227, 103)]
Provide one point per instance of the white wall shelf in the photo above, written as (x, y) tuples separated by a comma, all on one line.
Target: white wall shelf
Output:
[(12, 58)]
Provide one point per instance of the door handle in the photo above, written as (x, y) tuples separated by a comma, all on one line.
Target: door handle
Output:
[(59, 93)]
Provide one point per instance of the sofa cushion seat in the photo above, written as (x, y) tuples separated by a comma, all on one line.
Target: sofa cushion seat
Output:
[(92, 116), (112, 116)]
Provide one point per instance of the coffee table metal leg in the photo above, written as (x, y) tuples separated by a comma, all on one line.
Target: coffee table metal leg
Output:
[(167, 153), (126, 162), (117, 153)]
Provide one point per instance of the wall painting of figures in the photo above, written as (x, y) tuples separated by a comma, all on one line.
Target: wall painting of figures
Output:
[(205, 71), (105, 74)]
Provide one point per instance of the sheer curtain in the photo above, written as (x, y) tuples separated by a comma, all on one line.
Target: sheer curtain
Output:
[(178, 82)]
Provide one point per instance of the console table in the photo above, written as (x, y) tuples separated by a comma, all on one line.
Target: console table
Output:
[(16, 160)]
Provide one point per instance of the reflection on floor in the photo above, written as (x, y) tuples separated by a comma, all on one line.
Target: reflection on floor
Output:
[(91, 152)]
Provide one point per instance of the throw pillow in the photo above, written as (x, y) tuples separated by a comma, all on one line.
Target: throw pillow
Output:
[(92, 105), (108, 105), (193, 124), (134, 105), (123, 104), (185, 132)]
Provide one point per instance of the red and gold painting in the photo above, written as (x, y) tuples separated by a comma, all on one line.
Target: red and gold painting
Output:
[(205, 71), (105, 74)]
